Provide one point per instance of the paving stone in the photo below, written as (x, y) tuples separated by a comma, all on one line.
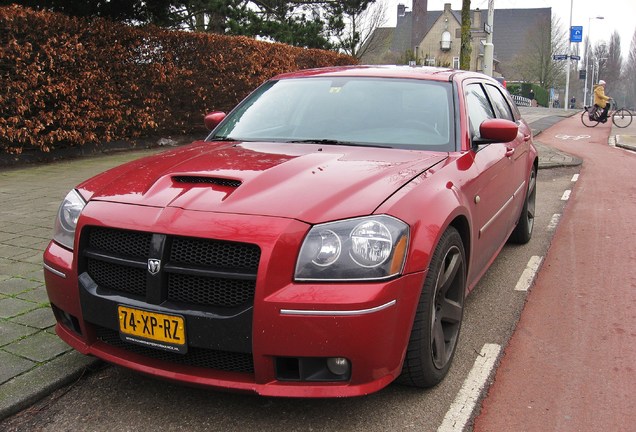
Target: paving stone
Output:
[(11, 332), (39, 347), (16, 268), (11, 307), (12, 366), (16, 285), (41, 318), (37, 295)]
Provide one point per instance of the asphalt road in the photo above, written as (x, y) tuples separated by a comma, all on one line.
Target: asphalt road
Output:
[(116, 399)]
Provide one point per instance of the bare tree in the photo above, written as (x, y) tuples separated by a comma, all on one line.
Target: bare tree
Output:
[(614, 64), (536, 64), (629, 75), (359, 37)]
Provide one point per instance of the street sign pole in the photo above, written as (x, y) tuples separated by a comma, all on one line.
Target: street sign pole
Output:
[(567, 69)]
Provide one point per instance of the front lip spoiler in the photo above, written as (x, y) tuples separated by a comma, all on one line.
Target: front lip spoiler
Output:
[(337, 312)]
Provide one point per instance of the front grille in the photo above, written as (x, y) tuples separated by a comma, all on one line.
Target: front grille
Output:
[(120, 242), (195, 357), (209, 291), (118, 277), (214, 254), (197, 271)]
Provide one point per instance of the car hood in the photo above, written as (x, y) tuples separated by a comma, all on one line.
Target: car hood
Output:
[(308, 182)]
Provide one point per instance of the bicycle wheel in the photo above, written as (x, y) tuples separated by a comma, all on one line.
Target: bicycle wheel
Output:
[(622, 118), (585, 119)]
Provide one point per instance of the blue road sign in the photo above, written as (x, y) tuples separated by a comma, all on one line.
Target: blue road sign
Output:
[(576, 34), (575, 57), (559, 57)]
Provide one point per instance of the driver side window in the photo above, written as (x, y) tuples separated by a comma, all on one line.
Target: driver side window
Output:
[(479, 108)]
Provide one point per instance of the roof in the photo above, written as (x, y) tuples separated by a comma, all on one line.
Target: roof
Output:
[(510, 29), (384, 71)]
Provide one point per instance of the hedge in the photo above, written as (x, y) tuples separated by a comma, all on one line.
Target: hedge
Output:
[(70, 81)]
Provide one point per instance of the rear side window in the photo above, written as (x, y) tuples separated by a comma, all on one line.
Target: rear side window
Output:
[(499, 102)]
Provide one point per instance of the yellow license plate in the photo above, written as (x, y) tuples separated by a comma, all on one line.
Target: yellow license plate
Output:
[(152, 329)]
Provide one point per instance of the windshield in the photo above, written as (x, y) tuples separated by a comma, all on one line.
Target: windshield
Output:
[(405, 113)]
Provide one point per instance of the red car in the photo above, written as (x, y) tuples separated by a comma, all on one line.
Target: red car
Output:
[(319, 243)]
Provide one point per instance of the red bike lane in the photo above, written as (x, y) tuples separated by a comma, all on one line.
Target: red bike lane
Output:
[(571, 362)]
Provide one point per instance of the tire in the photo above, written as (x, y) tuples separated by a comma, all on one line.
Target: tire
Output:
[(585, 119), (622, 118), (523, 231), (439, 315)]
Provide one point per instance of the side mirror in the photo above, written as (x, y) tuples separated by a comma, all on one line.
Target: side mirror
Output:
[(213, 119), (496, 130)]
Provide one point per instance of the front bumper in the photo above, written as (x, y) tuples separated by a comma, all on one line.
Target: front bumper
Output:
[(260, 347)]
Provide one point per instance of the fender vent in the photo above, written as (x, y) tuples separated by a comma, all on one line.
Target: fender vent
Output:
[(217, 181)]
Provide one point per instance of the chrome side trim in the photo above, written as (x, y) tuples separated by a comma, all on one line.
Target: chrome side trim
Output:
[(337, 312), (516, 193), (55, 272), (499, 212)]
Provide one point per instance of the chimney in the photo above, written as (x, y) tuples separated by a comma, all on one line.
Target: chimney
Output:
[(401, 10), (477, 19), (418, 29)]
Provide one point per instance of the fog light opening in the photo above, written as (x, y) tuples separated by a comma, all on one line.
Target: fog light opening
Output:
[(338, 366)]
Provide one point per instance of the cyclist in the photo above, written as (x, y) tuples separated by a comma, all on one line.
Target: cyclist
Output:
[(601, 100)]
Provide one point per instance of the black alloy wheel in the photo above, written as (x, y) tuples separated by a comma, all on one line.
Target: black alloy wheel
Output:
[(523, 231), (439, 315)]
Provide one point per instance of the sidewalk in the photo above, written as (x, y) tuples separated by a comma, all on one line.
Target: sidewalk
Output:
[(35, 362)]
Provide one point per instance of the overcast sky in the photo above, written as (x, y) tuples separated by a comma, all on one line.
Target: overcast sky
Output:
[(619, 15)]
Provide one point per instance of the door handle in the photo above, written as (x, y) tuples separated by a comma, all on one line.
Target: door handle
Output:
[(510, 151), (527, 137)]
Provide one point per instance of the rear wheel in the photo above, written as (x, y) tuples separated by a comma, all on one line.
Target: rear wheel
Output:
[(622, 118), (523, 231), (585, 119), (439, 315)]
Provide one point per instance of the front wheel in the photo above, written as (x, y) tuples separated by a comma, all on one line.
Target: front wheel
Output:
[(622, 118), (439, 315), (523, 231), (586, 120)]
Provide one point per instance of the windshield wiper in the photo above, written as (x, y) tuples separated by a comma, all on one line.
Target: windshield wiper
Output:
[(222, 138), (334, 142)]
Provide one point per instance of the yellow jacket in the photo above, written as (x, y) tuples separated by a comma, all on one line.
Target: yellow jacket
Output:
[(599, 96)]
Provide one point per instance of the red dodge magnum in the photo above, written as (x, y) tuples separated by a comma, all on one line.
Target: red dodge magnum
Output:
[(319, 242)]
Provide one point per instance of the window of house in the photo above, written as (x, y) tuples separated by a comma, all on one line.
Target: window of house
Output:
[(429, 61), (455, 62)]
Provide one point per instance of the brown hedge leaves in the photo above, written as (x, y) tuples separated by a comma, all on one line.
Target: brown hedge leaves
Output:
[(68, 82)]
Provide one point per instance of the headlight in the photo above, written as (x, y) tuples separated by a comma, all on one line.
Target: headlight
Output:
[(367, 248), (67, 217)]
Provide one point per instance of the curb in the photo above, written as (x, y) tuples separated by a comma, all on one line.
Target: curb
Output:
[(26, 389)]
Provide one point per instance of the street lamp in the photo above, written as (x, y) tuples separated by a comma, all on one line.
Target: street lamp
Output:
[(587, 58)]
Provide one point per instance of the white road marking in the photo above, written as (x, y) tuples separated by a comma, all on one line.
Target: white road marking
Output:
[(572, 137), (575, 177), (528, 275), (462, 407), (554, 222), (566, 195)]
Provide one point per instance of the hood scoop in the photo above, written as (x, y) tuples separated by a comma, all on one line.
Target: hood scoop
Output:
[(201, 180)]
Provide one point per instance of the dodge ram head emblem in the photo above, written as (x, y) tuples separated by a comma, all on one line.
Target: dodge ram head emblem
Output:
[(153, 266)]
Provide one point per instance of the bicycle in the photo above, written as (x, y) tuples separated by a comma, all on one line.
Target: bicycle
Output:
[(621, 117)]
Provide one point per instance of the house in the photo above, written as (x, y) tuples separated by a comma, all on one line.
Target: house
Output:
[(434, 37)]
